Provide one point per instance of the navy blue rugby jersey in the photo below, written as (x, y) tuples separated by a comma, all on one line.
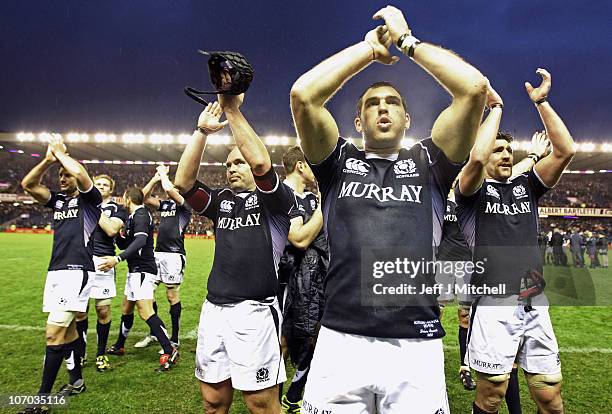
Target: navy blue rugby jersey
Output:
[(500, 224), (379, 210), (453, 245), (251, 230), (74, 220), (305, 206), (103, 244), (173, 222), (140, 222)]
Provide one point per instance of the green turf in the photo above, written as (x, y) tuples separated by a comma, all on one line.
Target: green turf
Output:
[(132, 386)]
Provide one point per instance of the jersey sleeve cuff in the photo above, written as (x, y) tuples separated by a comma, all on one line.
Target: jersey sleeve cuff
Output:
[(535, 172), (198, 198), (267, 183)]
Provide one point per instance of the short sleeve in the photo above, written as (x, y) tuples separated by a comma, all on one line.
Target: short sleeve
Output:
[(120, 213), (53, 199), (203, 200), (275, 195), (535, 184), (91, 196), (443, 170)]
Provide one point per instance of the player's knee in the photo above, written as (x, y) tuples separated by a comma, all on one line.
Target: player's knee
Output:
[(544, 381), (81, 316), (261, 404), (103, 312)]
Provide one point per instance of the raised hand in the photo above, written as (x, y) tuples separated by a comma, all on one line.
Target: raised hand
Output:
[(57, 146), (539, 143), (229, 102), (541, 92), (49, 155), (380, 40), (394, 20), (209, 119), (161, 170)]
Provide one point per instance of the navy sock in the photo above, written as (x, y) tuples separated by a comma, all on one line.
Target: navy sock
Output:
[(175, 316), (294, 393), (102, 330), (462, 345), (160, 333), (81, 327), (513, 395), (154, 310), (72, 355), (127, 321), (54, 354)]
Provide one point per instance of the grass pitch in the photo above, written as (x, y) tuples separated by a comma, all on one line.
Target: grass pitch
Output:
[(584, 335)]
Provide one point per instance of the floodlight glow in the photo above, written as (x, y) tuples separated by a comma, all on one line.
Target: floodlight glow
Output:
[(587, 147), (157, 138), (25, 137), (183, 139), (284, 140), (607, 147), (218, 140), (102, 137), (20, 151), (407, 142), (130, 138)]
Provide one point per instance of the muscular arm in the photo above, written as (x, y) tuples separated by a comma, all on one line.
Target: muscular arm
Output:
[(150, 201), (550, 168), (301, 234), (31, 182), (315, 126), (473, 174), (455, 128), (110, 226), (247, 140)]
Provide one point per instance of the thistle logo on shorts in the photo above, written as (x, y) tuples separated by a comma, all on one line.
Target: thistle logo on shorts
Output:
[(492, 191), (226, 206), (262, 375), (251, 202), (519, 191), (355, 166), (106, 291), (63, 301), (405, 169), (440, 411)]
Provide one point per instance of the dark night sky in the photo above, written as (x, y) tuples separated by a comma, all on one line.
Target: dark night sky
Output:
[(119, 66)]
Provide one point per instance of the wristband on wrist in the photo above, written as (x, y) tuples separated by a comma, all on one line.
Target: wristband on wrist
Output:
[(401, 40), (201, 130), (541, 101), (497, 105), (407, 43), (534, 157)]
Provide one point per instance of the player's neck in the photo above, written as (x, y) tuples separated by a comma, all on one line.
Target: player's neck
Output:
[(296, 183), (134, 207), (106, 200)]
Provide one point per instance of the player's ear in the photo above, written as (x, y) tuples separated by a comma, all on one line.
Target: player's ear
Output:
[(407, 120), (358, 125)]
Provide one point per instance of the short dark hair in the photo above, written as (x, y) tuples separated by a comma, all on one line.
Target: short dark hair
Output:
[(291, 157), (379, 85), (135, 195), (506, 136)]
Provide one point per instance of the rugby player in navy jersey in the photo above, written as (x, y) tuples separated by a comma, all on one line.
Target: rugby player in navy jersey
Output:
[(499, 218), (303, 267), (76, 210), (139, 289), (103, 290), (378, 351), (239, 332), (170, 246)]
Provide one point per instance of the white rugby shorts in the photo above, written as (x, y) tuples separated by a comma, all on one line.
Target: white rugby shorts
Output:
[(104, 282), (170, 267), (67, 290), (140, 286)]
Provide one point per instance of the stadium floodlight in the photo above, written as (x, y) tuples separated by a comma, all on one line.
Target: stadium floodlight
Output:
[(272, 140), (183, 139), (131, 138), (77, 137), (284, 140), (218, 140), (158, 138), (587, 147), (102, 137), (606, 147), (407, 142), (25, 137), (20, 151), (173, 163)]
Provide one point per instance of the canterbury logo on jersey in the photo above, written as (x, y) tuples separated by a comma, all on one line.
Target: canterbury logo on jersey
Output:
[(508, 210), (238, 222), (408, 193), (492, 191), (355, 166), (405, 169), (61, 215), (170, 213), (226, 206)]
